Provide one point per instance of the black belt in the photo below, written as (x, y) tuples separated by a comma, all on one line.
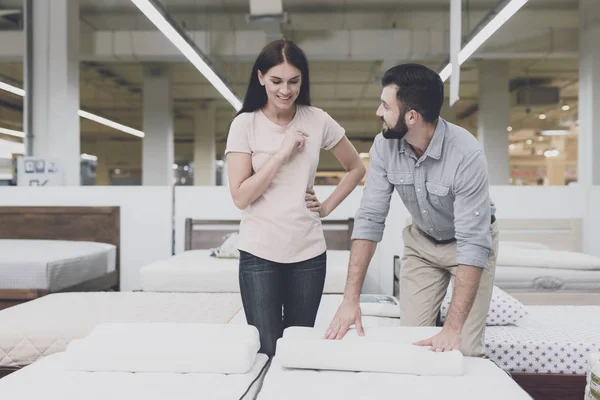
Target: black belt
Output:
[(447, 241)]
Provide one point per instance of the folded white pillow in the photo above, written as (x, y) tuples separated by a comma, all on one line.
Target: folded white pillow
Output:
[(165, 347), (228, 247), (504, 309), (392, 352)]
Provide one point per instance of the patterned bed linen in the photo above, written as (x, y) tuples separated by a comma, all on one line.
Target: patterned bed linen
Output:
[(548, 340)]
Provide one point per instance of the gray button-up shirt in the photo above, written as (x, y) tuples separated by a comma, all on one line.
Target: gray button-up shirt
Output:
[(446, 191)]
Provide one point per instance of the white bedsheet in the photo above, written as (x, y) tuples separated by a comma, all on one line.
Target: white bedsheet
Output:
[(482, 380), (197, 271), (47, 379), (47, 325), (52, 264)]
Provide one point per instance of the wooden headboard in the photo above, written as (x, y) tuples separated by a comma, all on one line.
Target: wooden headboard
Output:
[(206, 234), (559, 234), (92, 224)]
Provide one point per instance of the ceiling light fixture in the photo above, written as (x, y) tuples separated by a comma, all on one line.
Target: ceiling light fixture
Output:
[(81, 113), (12, 132), (484, 34), (156, 13)]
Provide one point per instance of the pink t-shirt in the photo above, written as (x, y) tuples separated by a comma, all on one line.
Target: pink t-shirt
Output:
[(278, 226)]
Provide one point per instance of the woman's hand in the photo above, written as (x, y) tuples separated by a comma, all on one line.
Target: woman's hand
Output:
[(314, 205)]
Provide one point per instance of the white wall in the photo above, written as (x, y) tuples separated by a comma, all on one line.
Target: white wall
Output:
[(146, 223)]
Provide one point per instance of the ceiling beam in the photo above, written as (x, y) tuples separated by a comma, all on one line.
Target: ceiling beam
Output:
[(333, 45)]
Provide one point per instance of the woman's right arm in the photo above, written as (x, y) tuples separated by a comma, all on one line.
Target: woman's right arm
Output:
[(244, 186)]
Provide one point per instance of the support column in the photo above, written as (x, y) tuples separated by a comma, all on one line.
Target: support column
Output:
[(589, 93), (52, 84), (158, 145), (494, 118), (556, 162), (103, 163), (205, 146)]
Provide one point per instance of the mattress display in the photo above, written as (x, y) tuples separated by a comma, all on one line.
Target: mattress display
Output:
[(198, 271), (482, 380), (48, 379), (549, 339), (48, 324), (546, 279), (53, 264)]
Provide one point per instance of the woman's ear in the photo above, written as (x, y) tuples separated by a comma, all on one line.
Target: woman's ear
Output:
[(261, 78)]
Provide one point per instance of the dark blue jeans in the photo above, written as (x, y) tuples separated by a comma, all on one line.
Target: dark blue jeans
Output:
[(276, 296)]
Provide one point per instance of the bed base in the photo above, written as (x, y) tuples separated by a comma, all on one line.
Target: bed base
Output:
[(7, 370), (552, 386)]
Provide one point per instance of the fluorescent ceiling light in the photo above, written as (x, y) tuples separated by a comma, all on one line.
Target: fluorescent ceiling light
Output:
[(109, 123), (89, 157), (555, 132), (12, 132), (81, 113), (150, 10), (484, 34)]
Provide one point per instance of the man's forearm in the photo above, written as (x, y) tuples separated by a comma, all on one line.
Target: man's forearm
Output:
[(466, 283), (360, 257)]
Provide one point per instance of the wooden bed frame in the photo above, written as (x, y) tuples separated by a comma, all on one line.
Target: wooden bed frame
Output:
[(559, 234), (207, 234), (94, 224)]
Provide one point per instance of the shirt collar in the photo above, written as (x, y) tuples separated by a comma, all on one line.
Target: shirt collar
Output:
[(434, 150)]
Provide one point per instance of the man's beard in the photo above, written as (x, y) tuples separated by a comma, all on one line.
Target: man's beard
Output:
[(396, 132)]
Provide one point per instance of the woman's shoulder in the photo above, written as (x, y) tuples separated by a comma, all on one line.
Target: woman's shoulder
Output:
[(313, 112), (243, 120)]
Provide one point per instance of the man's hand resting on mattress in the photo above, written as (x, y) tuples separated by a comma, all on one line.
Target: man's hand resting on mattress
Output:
[(446, 340), (347, 314)]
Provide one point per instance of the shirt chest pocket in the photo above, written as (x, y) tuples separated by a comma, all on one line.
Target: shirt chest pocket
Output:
[(404, 182), (439, 195)]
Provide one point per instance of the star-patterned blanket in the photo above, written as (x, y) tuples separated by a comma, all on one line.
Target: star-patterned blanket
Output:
[(548, 339)]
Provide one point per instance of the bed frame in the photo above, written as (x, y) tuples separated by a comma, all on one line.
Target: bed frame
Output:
[(559, 234), (94, 224), (207, 234)]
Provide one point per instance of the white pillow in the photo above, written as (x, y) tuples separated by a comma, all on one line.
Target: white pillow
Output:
[(228, 248), (504, 309), (540, 258)]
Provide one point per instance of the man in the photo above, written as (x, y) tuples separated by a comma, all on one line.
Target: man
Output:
[(440, 172)]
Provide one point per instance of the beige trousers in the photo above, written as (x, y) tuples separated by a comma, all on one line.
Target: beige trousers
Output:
[(425, 272)]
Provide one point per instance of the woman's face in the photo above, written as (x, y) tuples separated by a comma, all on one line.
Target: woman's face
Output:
[(282, 84)]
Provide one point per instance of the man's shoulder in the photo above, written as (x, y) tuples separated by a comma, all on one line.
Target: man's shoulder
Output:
[(460, 139)]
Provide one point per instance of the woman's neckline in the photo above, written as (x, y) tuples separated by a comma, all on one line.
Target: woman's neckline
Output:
[(275, 124)]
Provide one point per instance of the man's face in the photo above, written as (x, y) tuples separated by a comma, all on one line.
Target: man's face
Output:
[(391, 114)]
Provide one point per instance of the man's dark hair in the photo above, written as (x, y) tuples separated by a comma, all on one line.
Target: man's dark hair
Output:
[(419, 89)]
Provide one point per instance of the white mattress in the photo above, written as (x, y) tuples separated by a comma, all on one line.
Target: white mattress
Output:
[(549, 339), (47, 379), (47, 325), (546, 279), (197, 271), (482, 380), (53, 264)]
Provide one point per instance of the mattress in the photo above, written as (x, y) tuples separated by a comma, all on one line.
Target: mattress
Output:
[(47, 379), (327, 309), (46, 325), (198, 271), (53, 264), (549, 339), (529, 279), (482, 380)]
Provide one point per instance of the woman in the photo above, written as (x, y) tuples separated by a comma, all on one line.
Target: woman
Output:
[(272, 155)]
